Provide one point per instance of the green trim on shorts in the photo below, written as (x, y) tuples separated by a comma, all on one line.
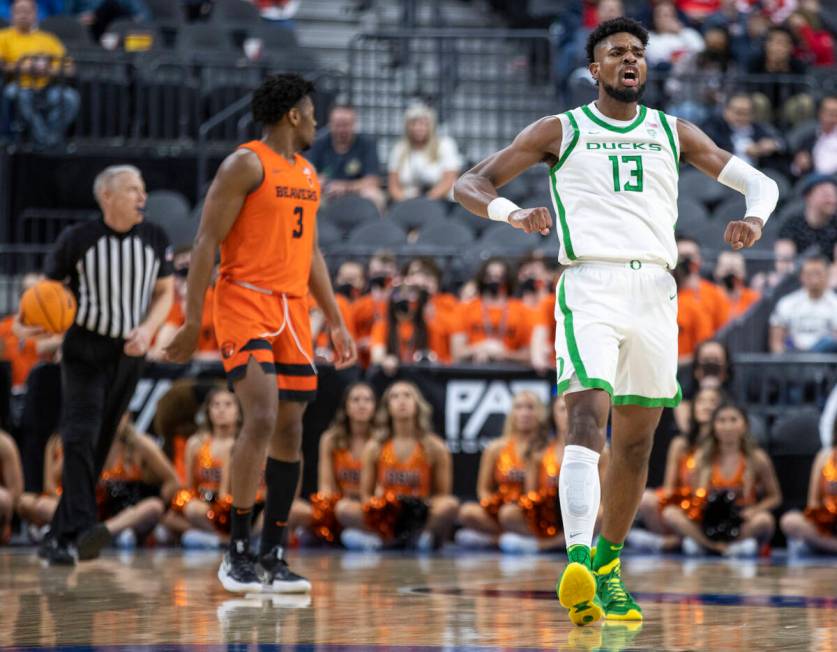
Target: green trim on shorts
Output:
[(644, 401), (671, 142), (572, 345)]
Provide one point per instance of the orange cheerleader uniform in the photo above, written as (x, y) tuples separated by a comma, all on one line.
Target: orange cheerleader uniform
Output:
[(684, 496), (206, 478), (347, 469), (400, 483), (541, 508), (510, 478), (718, 483), (825, 516), (120, 486)]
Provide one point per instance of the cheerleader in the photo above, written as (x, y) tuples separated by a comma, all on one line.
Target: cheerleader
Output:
[(338, 475), (816, 528), (406, 479), (196, 510), (502, 475), (681, 461), (38, 509), (11, 484), (737, 487)]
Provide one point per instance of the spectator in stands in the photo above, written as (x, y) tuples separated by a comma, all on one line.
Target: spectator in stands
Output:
[(498, 326), (98, 14), (729, 460), (405, 459), (739, 133), (337, 500), (501, 480), (677, 489), (733, 21), (784, 260), (423, 163), (817, 150), (46, 8), (712, 367), (816, 227), (777, 88), (816, 41), (349, 283), (381, 275), (346, 160), (207, 344), (532, 285), (442, 312), (401, 338), (731, 275), (806, 320), (697, 10), (36, 71), (280, 12), (816, 528), (11, 484), (710, 297), (25, 346), (669, 41)]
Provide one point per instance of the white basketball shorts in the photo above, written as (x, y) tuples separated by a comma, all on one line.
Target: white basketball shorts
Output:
[(617, 331)]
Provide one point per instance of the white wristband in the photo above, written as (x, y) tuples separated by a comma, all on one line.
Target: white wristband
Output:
[(500, 208), (761, 193)]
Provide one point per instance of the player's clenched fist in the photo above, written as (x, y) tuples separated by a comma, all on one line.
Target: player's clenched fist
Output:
[(741, 234), (532, 220), (183, 344)]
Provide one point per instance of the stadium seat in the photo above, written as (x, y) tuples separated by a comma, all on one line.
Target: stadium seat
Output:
[(518, 190), (234, 12), (136, 37), (349, 211), (505, 240), (796, 432), (791, 208), (68, 30), (378, 235), (690, 213), (445, 233), (196, 40), (327, 234), (415, 213), (696, 185), (466, 218), (732, 208), (165, 11)]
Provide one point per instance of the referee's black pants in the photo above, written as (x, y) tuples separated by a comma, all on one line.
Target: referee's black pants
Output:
[(97, 381)]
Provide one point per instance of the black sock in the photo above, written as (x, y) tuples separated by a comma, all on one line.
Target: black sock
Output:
[(281, 479), (240, 518)]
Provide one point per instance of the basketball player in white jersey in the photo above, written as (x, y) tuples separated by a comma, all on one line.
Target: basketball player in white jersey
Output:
[(613, 177)]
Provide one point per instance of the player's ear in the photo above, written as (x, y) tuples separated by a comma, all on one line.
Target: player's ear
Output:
[(594, 71), (294, 116)]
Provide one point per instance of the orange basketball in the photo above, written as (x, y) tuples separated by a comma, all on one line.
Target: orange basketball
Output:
[(48, 304)]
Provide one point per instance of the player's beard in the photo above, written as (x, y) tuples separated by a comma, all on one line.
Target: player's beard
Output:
[(626, 95)]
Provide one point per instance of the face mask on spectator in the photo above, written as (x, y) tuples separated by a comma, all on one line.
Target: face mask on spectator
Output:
[(347, 290), (710, 368), (530, 285), (379, 281), (491, 288), (730, 281)]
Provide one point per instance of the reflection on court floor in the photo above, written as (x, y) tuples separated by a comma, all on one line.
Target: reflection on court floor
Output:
[(169, 600)]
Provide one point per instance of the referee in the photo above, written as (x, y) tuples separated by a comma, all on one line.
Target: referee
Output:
[(119, 269)]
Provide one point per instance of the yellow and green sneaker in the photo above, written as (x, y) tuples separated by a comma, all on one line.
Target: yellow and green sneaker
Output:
[(577, 590), (615, 600)]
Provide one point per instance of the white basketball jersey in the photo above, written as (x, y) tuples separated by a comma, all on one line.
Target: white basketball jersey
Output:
[(614, 187)]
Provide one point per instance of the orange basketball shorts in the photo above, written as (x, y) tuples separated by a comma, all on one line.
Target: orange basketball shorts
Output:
[(272, 328)]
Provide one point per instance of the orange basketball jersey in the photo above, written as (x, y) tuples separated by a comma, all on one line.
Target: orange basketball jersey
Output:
[(270, 245), (410, 478), (347, 472)]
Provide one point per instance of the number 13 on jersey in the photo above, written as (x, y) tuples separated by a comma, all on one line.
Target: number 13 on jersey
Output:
[(630, 167)]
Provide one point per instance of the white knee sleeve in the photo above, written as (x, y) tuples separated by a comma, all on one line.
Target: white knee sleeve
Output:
[(580, 494)]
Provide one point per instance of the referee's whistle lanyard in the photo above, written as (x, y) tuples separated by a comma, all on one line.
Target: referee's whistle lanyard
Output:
[(286, 320)]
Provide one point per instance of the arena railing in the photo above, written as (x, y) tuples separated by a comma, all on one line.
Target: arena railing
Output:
[(15, 261)]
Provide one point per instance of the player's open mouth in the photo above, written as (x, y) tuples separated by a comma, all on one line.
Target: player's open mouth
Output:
[(630, 77)]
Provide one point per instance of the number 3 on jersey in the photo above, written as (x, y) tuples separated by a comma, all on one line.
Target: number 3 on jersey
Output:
[(634, 172), (297, 232)]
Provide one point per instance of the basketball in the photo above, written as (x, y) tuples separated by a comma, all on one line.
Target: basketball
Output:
[(48, 304)]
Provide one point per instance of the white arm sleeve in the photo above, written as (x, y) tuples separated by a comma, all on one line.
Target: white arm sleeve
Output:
[(760, 191)]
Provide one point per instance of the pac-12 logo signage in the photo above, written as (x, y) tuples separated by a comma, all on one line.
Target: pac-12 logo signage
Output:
[(475, 410)]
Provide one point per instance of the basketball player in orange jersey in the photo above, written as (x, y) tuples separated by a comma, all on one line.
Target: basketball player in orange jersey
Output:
[(261, 210)]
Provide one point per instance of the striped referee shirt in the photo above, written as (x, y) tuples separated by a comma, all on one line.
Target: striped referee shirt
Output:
[(111, 274)]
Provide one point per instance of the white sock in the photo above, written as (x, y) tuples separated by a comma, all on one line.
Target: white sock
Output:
[(580, 493)]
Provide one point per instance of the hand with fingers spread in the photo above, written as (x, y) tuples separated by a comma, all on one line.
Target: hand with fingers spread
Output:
[(532, 220), (741, 234)]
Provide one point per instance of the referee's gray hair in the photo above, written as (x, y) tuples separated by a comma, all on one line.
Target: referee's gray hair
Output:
[(106, 177)]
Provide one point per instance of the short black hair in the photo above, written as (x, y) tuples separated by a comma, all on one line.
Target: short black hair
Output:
[(277, 95), (615, 26)]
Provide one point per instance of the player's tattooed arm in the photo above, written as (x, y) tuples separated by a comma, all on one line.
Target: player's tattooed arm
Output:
[(701, 151), (477, 188), (239, 175)]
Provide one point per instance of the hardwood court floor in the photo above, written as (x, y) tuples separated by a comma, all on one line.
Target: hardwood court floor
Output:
[(171, 600)]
